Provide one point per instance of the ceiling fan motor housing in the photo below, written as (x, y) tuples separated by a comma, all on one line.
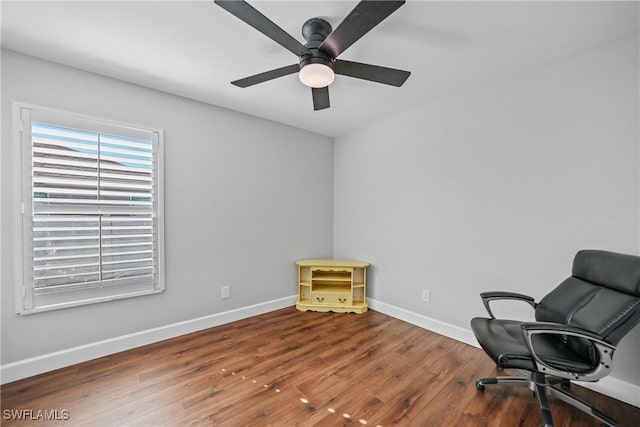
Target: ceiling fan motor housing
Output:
[(315, 31)]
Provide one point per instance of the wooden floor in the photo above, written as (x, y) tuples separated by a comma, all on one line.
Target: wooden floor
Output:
[(289, 368)]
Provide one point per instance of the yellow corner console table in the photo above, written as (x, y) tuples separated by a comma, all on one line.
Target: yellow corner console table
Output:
[(337, 285)]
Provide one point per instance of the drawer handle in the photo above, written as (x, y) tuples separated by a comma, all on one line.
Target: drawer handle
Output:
[(342, 300), (320, 299)]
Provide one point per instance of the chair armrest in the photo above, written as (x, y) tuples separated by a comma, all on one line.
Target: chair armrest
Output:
[(604, 349), (487, 297)]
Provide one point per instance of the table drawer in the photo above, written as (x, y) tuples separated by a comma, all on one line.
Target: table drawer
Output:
[(329, 298)]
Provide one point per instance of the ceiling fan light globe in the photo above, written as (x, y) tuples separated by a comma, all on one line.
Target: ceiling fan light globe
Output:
[(316, 75)]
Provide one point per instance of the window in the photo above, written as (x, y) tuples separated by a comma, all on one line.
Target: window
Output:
[(92, 210)]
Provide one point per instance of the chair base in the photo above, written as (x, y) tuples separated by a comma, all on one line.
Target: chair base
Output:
[(542, 384)]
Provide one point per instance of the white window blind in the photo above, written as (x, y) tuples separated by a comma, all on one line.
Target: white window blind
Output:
[(93, 215)]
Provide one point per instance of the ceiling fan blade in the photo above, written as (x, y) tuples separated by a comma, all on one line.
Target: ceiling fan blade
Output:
[(267, 75), (374, 73), (320, 98), (366, 15), (246, 12)]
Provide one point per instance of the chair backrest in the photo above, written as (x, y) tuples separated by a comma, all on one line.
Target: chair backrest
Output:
[(602, 295)]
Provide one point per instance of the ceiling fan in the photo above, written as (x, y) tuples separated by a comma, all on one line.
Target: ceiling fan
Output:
[(318, 65)]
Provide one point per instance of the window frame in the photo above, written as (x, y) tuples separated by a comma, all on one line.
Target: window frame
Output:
[(27, 299)]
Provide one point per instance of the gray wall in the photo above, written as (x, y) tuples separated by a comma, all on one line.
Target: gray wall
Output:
[(497, 189), (245, 198)]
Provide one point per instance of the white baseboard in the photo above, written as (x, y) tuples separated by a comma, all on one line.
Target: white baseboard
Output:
[(60, 359), (616, 388), (609, 386), (450, 331)]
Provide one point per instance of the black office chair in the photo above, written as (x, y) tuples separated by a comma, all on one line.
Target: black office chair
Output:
[(577, 328)]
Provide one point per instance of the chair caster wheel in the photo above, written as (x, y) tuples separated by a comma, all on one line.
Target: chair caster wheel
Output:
[(479, 386)]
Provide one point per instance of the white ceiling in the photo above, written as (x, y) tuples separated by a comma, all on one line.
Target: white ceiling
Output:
[(195, 48)]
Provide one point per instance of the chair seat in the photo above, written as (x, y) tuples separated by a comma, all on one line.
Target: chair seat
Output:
[(502, 340)]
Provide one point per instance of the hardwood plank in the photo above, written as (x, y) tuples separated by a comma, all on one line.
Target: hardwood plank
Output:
[(292, 368)]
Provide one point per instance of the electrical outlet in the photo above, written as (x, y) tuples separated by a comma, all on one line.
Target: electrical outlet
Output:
[(426, 295), (224, 292)]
